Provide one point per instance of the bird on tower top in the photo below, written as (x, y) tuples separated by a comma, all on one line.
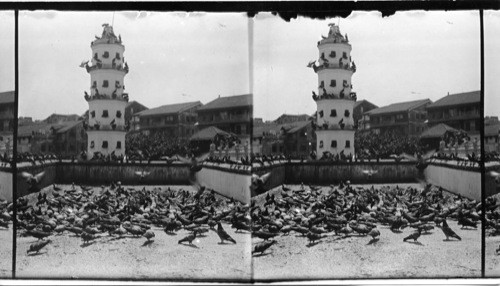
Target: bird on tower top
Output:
[(334, 29)]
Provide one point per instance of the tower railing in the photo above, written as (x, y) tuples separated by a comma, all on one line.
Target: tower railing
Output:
[(99, 66), (122, 97), (328, 65), (351, 96)]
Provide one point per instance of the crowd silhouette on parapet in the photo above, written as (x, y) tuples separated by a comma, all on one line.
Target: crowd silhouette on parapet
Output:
[(5, 160)]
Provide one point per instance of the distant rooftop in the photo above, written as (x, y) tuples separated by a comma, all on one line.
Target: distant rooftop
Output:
[(491, 130), (399, 107), (244, 100), (458, 99), (7, 97), (169, 109)]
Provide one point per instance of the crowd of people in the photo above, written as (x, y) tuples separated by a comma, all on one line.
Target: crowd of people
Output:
[(370, 145), (155, 146)]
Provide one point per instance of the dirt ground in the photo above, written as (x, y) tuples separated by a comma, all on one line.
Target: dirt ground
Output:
[(132, 258), (492, 259), (334, 257), (6, 252)]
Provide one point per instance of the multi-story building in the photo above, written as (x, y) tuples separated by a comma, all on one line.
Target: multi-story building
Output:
[(106, 127), (460, 111), (7, 107), (335, 99), (296, 139), (58, 118), (360, 107), (492, 137), (231, 113), (177, 120), (403, 118), (131, 109), (290, 118), (67, 138)]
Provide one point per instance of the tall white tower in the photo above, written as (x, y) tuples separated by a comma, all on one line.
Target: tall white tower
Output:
[(106, 127), (335, 100)]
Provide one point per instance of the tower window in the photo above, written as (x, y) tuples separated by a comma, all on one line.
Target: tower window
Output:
[(321, 144), (105, 83), (105, 114), (321, 114), (322, 55), (104, 144), (333, 54), (94, 84), (119, 145), (105, 55), (95, 56), (92, 113), (333, 83), (346, 113), (91, 144), (117, 56), (322, 84), (334, 144), (344, 55), (118, 114), (345, 83), (348, 144), (333, 113)]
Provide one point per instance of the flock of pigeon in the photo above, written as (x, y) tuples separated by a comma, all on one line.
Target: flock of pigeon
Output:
[(343, 210), (5, 214), (91, 214)]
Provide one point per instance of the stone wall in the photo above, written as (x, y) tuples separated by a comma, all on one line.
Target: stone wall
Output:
[(6, 184), (458, 180)]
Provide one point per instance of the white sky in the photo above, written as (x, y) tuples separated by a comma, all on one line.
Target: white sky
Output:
[(6, 51), (492, 63), (407, 56), (169, 54), (410, 55)]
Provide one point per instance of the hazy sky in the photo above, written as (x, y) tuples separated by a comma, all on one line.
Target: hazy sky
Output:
[(169, 54), (408, 56), (6, 51), (492, 63)]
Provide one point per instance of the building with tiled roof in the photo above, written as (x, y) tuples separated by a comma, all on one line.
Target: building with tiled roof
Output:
[(360, 107), (177, 120), (460, 111), (232, 114), (403, 118), (65, 138), (296, 138), (7, 107)]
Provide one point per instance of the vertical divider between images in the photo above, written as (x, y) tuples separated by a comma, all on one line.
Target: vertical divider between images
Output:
[(14, 145), (482, 161), (250, 32)]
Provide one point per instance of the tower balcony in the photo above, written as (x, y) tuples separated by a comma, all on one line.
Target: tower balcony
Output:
[(105, 127), (329, 127), (101, 66), (340, 65), (328, 96), (122, 97)]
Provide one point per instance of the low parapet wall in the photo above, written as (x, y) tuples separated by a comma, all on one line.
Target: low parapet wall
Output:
[(6, 184), (465, 181), (491, 186), (325, 173), (228, 180)]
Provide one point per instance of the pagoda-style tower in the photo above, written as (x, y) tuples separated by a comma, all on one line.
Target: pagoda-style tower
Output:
[(335, 101), (106, 126)]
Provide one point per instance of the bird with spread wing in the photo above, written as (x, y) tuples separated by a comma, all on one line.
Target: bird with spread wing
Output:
[(33, 180), (258, 182)]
